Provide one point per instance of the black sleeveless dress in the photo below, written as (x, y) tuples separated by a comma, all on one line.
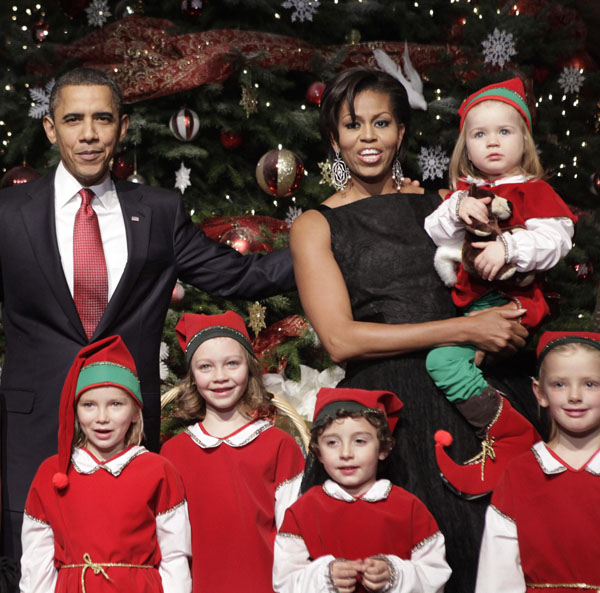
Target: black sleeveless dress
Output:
[(386, 259)]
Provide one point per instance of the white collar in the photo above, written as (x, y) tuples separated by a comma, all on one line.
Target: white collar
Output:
[(501, 181), (378, 491), (550, 464), (66, 188), (239, 438), (85, 463)]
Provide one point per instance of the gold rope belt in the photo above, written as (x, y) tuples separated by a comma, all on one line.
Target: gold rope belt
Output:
[(98, 568), (565, 586)]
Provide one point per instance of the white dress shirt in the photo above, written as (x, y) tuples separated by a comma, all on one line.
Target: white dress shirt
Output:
[(110, 219)]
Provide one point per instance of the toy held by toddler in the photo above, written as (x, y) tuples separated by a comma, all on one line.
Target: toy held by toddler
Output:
[(105, 514), (240, 472), (355, 532), (542, 527), (495, 151)]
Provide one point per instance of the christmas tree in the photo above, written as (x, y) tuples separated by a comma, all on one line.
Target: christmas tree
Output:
[(224, 98)]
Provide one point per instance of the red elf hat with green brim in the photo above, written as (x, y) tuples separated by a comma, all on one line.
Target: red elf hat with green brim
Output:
[(550, 340), (509, 435), (332, 399), (510, 91), (106, 363), (194, 329)]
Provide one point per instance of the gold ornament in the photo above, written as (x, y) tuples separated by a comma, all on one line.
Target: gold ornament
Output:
[(249, 100), (353, 37), (325, 167), (257, 317), (279, 172)]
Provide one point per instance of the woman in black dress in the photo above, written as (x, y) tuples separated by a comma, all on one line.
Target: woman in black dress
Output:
[(364, 270)]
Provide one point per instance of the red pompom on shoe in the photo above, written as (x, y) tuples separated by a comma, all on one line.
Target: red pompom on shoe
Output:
[(443, 437), (60, 480)]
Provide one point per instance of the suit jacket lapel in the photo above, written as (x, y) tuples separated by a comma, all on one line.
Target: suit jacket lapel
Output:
[(138, 218), (39, 222)]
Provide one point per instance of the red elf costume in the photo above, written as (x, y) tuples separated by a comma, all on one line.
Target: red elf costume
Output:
[(238, 486), (327, 523), (542, 527), (124, 519)]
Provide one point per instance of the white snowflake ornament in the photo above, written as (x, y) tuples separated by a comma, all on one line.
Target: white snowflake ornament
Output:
[(41, 100), (182, 178), (433, 162), (304, 10), (163, 369), (498, 48), (292, 213), (97, 13), (571, 79)]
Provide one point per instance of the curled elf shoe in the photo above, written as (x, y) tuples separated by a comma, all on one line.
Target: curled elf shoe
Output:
[(508, 435)]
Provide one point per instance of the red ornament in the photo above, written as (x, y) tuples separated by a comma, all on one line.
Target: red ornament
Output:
[(584, 271), (230, 140), (178, 294), (18, 175), (581, 59), (456, 32), (279, 172), (185, 124), (122, 166), (39, 31), (240, 238), (193, 8), (314, 92), (596, 183)]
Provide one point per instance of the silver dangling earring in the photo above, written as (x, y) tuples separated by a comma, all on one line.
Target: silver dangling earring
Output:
[(397, 174), (340, 174)]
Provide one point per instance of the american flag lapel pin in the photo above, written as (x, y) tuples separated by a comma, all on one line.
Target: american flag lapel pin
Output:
[(135, 218)]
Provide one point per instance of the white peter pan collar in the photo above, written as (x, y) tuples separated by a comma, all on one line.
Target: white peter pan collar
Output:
[(239, 438), (378, 491), (501, 181), (550, 464), (85, 463)]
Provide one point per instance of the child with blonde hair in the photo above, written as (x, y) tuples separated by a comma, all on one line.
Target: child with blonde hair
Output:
[(352, 531), (240, 472), (105, 514), (541, 529), (495, 151)]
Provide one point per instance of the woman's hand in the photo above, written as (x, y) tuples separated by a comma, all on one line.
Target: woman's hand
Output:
[(498, 329)]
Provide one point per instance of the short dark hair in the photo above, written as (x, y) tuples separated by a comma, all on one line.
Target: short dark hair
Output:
[(86, 77), (344, 87)]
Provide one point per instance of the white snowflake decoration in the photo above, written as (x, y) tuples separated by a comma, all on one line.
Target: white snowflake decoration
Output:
[(41, 100), (433, 162), (97, 13), (163, 355), (292, 213), (304, 10), (571, 79), (182, 178), (498, 48)]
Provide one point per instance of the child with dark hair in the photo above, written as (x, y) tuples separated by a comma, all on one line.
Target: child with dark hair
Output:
[(353, 531)]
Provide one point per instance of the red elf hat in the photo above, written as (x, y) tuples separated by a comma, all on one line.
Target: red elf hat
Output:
[(552, 339), (332, 399), (510, 91), (101, 364), (193, 329)]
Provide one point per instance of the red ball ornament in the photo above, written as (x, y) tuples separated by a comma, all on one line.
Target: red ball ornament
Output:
[(595, 187), (279, 172), (240, 238), (178, 294), (122, 166), (314, 92), (185, 124), (39, 31), (230, 140), (193, 8), (18, 175)]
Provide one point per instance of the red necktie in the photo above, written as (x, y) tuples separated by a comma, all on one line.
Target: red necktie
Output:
[(90, 280)]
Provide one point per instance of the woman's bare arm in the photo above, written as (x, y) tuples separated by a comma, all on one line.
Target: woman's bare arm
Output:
[(326, 302)]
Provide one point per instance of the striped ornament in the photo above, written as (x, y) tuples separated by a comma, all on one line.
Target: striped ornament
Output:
[(185, 124), (279, 172)]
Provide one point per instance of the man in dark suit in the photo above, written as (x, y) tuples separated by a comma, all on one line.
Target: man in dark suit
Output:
[(147, 243)]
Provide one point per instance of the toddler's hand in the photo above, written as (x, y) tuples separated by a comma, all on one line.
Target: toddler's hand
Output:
[(345, 573), (470, 207), (490, 260), (376, 574)]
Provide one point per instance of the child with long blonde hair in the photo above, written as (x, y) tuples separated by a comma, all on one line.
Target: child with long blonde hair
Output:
[(541, 530), (495, 151), (240, 472), (105, 514)]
